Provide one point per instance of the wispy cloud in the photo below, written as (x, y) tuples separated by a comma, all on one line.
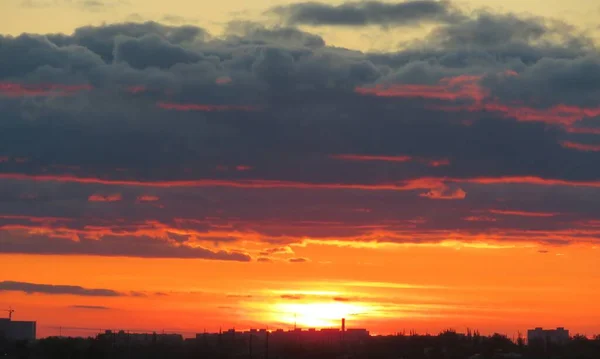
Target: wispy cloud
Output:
[(90, 307), (52, 289)]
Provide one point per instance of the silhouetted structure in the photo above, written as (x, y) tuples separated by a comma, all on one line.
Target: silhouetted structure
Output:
[(122, 337), (17, 330), (332, 343), (548, 336)]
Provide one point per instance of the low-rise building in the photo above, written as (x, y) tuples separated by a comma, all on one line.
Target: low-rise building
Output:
[(18, 330), (546, 336)]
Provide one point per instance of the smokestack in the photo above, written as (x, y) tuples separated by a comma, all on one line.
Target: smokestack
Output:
[(343, 324)]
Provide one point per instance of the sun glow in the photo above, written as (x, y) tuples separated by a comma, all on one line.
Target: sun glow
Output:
[(317, 315)]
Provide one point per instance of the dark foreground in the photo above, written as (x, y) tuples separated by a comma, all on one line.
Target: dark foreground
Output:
[(448, 345)]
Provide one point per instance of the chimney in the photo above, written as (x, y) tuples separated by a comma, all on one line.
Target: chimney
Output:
[(343, 324)]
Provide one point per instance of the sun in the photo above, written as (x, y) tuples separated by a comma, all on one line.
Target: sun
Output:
[(316, 314)]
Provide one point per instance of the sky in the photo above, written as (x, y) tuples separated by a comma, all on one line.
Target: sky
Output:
[(408, 166)]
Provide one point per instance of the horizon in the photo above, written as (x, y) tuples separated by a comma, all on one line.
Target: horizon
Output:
[(94, 332), (400, 164)]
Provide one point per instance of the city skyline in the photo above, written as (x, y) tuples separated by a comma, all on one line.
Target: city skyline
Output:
[(27, 330), (406, 165)]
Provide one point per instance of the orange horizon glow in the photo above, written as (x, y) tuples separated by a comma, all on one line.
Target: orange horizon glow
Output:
[(380, 306)]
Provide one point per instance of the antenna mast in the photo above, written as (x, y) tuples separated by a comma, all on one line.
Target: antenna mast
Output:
[(10, 312)]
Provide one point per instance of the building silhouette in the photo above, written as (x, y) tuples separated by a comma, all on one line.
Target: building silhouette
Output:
[(548, 336), (17, 330)]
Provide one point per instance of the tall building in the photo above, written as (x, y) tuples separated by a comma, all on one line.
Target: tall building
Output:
[(548, 336), (17, 330)]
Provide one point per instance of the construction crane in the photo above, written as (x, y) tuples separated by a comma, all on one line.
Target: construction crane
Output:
[(10, 312)]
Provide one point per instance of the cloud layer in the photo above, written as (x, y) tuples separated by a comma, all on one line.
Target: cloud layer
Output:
[(154, 141), (406, 13), (34, 288)]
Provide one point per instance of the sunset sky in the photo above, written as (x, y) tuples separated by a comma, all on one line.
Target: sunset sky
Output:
[(194, 165)]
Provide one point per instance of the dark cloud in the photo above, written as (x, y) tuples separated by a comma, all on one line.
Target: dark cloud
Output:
[(251, 33), (363, 13), (31, 288), (291, 296), (297, 260), (341, 299), (178, 20), (268, 113), (118, 246), (239, 296), (90, 307), (87, 5), (550, 81), (276, 250), (151, 51), (102, 40)]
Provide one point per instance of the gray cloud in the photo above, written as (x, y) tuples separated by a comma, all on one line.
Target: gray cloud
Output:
[(111, 246), (297, 260), (178, 20), (550, 81), (254, 33), (307, 109), (31, 288), (86, 5), (363, 13)]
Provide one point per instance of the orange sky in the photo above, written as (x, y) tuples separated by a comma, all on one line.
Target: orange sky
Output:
[(388, 289)]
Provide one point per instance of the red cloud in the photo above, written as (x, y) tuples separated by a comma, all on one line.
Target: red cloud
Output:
[(438, 163), (223, 80), (351, 157), (413, 184), (479, 219), (580, 146), (526, 180), (522, 213), (204, 107), (467, 87), (400, 158), (11, 89), (147, 198), (100, 198), (443, 192), (559, 114), (136, 89), (34, 219), (460, 87), (243, 168), (407, 185)]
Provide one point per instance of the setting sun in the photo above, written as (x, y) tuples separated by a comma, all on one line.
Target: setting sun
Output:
[(318, 314)]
